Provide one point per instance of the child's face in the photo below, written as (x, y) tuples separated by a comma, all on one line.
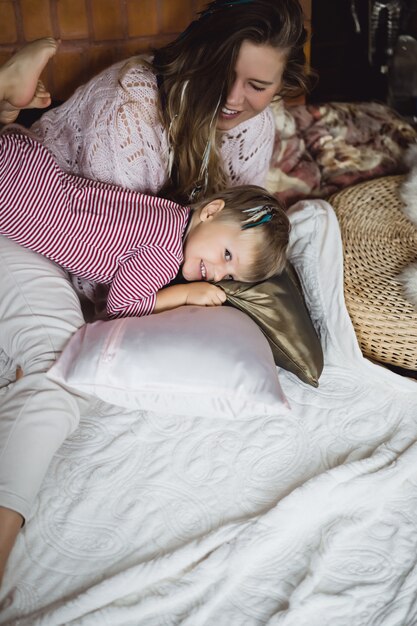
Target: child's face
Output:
[(215, 251)]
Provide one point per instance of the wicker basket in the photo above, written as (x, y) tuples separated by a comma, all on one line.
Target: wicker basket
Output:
[(378, 241)]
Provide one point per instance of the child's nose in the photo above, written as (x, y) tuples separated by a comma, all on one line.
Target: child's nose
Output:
[(220, 273)]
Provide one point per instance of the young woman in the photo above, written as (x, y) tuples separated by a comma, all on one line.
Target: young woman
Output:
[(195, 117)]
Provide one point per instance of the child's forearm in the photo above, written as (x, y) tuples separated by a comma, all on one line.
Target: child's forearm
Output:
[(198, 293), (171, 298)]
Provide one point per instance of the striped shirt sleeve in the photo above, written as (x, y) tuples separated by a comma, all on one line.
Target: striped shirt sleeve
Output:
[(139, 278)]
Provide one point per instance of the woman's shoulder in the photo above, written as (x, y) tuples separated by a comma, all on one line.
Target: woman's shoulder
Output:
[(138, 91), (128, 87), (136, 73), (126, 77)]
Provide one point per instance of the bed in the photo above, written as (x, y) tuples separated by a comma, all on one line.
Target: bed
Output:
[(306, 517)]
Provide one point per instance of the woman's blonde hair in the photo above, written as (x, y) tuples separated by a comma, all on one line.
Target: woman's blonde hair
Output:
[(195, 73), (264, 224)]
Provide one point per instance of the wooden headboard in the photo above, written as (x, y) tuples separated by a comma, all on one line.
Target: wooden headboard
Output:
[(94, 33)]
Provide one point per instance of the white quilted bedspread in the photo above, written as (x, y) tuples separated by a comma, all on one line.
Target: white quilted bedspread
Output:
[(304, 520)]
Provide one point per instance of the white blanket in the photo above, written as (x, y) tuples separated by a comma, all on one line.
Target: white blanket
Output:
[(307, 519)]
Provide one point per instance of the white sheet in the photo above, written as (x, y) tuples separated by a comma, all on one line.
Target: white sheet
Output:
[(303, 519)]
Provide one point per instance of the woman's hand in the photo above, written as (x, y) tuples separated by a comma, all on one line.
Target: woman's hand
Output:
[(204, 294)]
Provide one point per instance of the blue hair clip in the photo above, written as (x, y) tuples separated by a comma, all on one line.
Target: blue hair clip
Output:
[(258, 215), (266, 218)]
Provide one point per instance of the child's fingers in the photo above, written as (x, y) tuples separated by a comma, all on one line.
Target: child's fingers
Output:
[(220, 296), (217, 296), (205, 294)]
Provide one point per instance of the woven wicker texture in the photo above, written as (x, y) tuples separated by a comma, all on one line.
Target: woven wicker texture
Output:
[(378, 241)]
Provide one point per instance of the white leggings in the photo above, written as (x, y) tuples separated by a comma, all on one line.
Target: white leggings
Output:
[(39, 311)]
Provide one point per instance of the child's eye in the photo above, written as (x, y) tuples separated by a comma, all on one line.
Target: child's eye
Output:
[(227, 255), (228, 277)]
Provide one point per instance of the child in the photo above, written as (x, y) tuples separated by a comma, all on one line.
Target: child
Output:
[(133, 242)]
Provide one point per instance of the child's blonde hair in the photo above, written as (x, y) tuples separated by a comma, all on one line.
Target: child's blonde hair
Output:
[(265, 227)]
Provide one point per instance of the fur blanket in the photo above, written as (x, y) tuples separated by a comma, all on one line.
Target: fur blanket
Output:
[(320, 149)]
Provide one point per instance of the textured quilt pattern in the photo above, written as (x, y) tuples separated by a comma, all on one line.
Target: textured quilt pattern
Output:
[(303, 519)]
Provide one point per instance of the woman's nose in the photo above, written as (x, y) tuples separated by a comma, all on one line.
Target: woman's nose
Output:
[(235, 95)]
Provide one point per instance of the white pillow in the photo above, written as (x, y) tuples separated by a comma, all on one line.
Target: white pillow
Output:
[(195, 361)]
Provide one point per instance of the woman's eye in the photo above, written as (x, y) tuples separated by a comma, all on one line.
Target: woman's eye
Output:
[(256, 88), (227, 255)]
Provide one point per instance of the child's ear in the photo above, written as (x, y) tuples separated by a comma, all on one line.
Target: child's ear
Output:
[(208, 211)]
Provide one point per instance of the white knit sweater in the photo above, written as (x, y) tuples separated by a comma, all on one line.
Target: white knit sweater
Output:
[(109, 130)]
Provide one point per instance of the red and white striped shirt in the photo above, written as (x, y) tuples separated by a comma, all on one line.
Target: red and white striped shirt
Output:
[(95, 230)]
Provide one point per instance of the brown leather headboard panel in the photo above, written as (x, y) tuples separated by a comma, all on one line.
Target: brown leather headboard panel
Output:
[(94, 33)]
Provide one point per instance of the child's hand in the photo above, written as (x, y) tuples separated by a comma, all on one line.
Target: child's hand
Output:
[(204, 294)]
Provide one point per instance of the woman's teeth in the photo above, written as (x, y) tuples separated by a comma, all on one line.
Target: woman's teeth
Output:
[(227, 111)]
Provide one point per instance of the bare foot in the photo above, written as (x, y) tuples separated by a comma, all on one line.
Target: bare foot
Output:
[(20, 86), (40, 100)]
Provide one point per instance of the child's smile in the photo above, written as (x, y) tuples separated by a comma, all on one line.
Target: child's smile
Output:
[(214, 251)]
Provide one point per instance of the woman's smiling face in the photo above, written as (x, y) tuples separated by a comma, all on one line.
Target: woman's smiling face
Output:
[(257, 79)]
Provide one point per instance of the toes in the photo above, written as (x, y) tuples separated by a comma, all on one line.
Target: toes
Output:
[(41, 90), (40, 102)]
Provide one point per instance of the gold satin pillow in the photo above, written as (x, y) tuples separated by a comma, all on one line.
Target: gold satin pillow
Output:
[(277, 306)]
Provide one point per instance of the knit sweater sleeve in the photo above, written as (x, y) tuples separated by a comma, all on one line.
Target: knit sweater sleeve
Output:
[(110, 130)]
